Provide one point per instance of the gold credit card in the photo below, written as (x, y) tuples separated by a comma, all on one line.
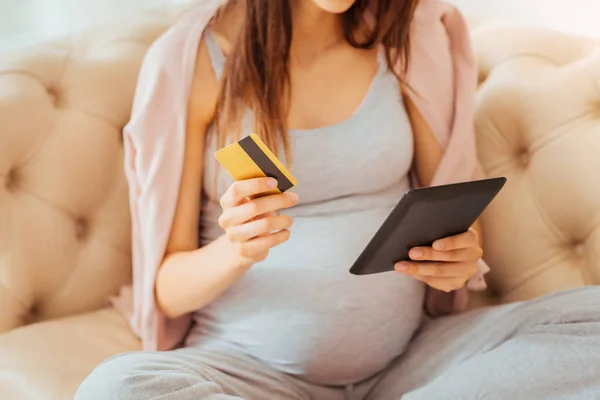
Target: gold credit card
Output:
[(251, 158)]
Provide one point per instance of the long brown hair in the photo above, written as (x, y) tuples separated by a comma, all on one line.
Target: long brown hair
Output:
[(256, 75)]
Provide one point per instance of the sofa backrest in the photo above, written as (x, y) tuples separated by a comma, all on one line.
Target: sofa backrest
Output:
[(64, 214), (64, 220), (538, 124)]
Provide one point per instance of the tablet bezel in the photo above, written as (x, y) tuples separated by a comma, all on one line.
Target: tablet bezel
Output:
[(490, 187)]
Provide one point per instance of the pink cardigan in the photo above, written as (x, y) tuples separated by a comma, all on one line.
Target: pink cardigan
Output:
[(443, 73)]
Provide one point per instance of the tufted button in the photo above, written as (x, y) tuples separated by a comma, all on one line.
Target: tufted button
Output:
[(524, 158), (54, 95), (12, 180), (81, 229), (579, 248), (33, 315)]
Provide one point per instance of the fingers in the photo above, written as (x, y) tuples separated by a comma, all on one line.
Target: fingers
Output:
[(437, 269), (240, 190), (260, 246), (448, 264), (429, 254), (252, 224), (460, 241), (444, 284), (259, 227), (247, 211), (265, 215), (438, 275)]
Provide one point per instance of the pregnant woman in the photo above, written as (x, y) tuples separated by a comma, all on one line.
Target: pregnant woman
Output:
[(252, 299)]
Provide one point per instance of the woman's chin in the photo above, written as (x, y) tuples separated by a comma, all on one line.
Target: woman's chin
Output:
[(335, 6)]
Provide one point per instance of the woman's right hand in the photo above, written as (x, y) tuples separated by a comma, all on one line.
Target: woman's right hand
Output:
[(252, 227)]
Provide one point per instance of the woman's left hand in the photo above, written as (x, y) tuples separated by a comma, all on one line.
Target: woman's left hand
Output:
[(448, 264)]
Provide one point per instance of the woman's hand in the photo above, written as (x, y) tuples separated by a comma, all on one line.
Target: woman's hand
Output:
[(252, 226), (448, 264)]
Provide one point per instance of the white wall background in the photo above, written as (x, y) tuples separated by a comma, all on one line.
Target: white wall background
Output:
[(29, 21), (575, 16), (26, 21)]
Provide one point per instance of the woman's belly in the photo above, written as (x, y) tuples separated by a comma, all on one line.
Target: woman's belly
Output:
[(301, 311)]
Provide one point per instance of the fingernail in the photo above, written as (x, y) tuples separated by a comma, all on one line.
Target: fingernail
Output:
[(272, 182), (416, 253), (438, 246), (293, 196), (401, 267)]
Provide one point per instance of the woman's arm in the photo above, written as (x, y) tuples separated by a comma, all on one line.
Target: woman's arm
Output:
[(428, 152), (450, 262), (181, 285), (191, 277)]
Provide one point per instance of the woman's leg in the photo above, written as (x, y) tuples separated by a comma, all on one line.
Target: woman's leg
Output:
[(547, 348), (192, 374)]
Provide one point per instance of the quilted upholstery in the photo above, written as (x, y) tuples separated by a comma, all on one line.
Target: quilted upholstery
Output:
[(64, 220), (538, 123), (64, 224)]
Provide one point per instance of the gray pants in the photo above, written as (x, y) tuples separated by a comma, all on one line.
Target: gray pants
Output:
[(548, 348)]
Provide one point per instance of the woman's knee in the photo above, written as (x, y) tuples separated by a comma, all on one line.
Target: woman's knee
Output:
[(125, 376)]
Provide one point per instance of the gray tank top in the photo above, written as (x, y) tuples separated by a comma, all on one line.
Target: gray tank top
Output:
[(300, 311)]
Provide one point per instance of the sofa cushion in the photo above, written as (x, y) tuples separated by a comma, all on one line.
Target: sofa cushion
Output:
[(48, 360)]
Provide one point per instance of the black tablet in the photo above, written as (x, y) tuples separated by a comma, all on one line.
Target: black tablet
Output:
[(423, 216)]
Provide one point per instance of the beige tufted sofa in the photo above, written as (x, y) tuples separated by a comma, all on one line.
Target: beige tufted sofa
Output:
[(64, 224)]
